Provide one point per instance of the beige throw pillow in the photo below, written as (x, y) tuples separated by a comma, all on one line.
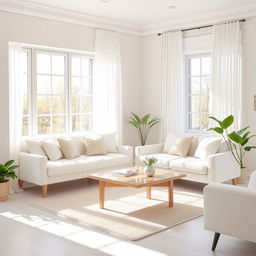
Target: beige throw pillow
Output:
[(35, 147), (68, 147), (181, 146), (52, 150), (95, 146)]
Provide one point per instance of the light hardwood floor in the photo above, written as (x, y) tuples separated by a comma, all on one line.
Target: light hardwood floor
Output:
[(25, 230)]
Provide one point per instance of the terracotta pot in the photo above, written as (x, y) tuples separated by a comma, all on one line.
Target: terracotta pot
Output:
[(4, 190), (243, 177), (149, 170)]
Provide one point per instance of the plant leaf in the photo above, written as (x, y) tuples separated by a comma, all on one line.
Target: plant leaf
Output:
[(248, 148), (240, 132), (227, 122), (235, 137), (216, 129)]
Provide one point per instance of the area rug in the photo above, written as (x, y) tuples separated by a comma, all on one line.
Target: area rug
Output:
[(127, 212)]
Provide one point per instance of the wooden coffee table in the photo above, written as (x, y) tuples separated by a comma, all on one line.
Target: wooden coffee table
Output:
[(162, 178)]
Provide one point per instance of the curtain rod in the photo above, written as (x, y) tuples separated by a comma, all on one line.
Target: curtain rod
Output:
[(188, 29)]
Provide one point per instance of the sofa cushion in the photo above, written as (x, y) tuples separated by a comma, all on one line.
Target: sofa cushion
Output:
[(190, 164), (207, 147), (163, 160), (85, 164), (181, 146)]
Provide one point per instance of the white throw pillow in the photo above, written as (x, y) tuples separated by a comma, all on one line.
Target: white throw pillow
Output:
[(181, 146), (35, 147), (207, 147), (52, 150), (68, 148), (110, 142), (170, 138), (95, 146)]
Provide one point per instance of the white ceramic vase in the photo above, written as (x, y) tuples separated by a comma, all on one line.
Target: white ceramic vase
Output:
[(149, 170)]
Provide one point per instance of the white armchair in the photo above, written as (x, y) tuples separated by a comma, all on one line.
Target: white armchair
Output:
[(231, 210)]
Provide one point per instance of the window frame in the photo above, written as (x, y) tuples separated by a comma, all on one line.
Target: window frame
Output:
[(187, 95), (32, 88)]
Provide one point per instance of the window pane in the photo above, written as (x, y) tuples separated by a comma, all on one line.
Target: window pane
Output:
[(85, 66), (43, 63), (76, 66), (86, 104), (57, 84), (76, 85), (195, 103), (58, 124), (25, 126), (75, 123), (195, 85), (206, 66), (43, 125), (194, 66), (25, 104), (85, 122), (204, 121), (195, 124), (43, 104), (75, 104), (43, 84), (204, 104), (25, 83), (205, 84), (58, 63), (86, 87), (58, 105)]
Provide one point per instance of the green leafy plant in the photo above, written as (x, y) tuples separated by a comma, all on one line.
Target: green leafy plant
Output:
[(143, 125), (236, 141), (7, 171), (150, 160)]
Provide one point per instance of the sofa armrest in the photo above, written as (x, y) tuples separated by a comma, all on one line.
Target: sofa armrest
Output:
[(222, 167), (33, 168), (148, 149), (252, 181), (126, 150), (230, 210)]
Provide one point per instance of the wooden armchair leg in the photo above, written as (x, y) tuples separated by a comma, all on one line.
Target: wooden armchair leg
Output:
[(44, 190), (234, 181), (215, 240), (21, 183)]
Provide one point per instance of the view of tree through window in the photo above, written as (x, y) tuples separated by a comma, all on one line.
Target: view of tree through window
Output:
[(60, 96), (198, 80)]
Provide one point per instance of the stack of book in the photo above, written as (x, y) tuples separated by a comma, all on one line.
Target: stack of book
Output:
[(124, 172)]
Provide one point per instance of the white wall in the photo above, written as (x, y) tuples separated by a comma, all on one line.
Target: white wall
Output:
[(151, 79), (32, 30)]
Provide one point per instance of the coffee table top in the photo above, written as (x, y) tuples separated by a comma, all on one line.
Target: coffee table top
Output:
[(138, 180)]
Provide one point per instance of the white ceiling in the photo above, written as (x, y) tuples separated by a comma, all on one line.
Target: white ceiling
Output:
[(135, 16)]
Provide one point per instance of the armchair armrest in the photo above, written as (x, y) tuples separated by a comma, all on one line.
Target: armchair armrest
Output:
[(149, 149), (33, 168), (230, 210), (252, 181), (222, 167), (126, 150)]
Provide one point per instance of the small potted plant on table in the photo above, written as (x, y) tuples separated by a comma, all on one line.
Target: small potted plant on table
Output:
[(149, 168), (7, 171)]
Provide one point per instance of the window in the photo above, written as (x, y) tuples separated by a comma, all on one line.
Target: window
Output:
[(198, 77), (57, 92)]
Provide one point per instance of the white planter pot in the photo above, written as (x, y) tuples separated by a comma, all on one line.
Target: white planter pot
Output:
[(149, 170), (243, 177)]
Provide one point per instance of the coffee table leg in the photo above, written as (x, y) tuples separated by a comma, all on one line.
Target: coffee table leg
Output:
[(102, 193), (148, 192), (170, 193)]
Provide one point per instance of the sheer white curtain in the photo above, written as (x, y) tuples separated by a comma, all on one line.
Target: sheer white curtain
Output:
[(172, 93), (107, 88), (226, 91), (15, 106)]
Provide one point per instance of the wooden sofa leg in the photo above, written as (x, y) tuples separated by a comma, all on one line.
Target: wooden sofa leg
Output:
[(44, 190), (234, 181), (215, 240), (21, 183)]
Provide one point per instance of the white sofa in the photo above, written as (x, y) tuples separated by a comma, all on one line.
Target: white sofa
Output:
[(39, 170), (218, 167), (231, 210)]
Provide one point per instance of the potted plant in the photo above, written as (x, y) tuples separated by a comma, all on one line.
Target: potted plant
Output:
[(7, 171), (143, 125), (149, 169), (236, 141)]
